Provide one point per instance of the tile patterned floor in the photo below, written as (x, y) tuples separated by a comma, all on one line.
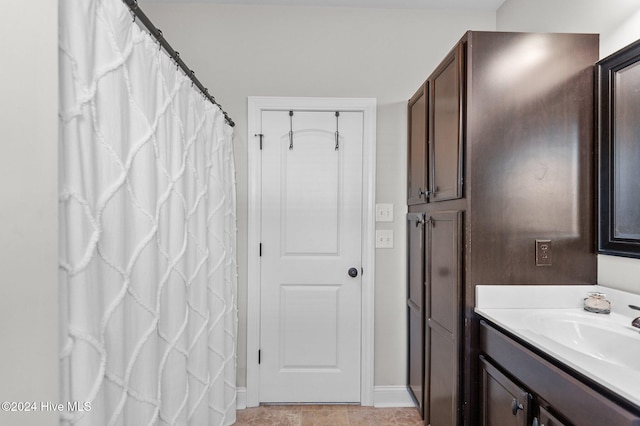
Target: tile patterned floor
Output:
[(327, 415)]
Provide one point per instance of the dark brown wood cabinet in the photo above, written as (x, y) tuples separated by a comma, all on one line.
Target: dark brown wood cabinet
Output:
[(443, 268), (545, 418), (509, 368), (446, 127), (417, 152), (509, 160), (415, 307), (502, 402)]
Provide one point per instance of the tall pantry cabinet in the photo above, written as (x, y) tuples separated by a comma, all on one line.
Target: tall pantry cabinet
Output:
[(500, 158)]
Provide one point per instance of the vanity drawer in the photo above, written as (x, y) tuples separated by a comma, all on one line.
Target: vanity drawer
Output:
[(569, 396)]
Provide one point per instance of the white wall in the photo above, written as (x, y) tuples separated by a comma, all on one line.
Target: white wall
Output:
[(238, 51), (28, 215), (618, 23)]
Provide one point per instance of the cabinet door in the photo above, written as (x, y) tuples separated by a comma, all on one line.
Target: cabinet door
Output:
[(417, 149), (548, 419), (445, 128), (415, 307), (444, 269), (502, 402), (443, 310), (415, 372)]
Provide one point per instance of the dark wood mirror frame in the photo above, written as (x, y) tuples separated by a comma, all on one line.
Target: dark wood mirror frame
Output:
[(618, 136)]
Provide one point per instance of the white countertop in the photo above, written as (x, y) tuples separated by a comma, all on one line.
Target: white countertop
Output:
[(525, 311)]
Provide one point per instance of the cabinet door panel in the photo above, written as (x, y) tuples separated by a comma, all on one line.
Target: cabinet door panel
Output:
[(445, 129), (442, 308), (548, 419), (415, 305), (415, 245), (503, 403), (417, 149), (443, 377), (416, 356), (444, 269)]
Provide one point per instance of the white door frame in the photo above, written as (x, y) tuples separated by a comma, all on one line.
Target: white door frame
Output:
[(257, 104)]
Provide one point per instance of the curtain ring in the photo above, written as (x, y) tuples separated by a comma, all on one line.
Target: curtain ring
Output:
[(159, 38), (176, 57)]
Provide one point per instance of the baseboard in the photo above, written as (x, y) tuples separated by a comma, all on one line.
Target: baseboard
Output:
[(241, 398), (383, 396), (392, 396)]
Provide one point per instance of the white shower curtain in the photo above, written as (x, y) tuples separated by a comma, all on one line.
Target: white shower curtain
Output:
[(147, 232)]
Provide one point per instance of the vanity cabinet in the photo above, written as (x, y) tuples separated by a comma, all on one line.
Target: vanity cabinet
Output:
[(502, 401), (549, 393), (545, 418), (506, 154)]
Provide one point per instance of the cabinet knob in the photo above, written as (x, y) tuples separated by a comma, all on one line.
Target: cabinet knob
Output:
[(422, 193), (515, 406)]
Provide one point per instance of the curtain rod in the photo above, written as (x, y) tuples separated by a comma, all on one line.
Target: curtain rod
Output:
[(157, 34)]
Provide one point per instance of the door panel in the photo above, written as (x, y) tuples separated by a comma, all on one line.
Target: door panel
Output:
[(443, 303), (417, 162), (310, 203), (415, 307), (310, 308), (416, 356), (503, 403), (445, 129), (548, 419), (444, 272), (444, 378), (303, 308), (415, 236)]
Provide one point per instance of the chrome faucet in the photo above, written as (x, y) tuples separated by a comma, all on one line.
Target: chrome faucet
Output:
[(597, 303)]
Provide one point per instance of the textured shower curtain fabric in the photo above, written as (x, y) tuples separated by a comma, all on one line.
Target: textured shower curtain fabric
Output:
[(147, 232)]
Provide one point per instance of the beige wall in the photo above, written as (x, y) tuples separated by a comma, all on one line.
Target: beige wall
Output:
[(618, 23), (238, 51), (28, 215)]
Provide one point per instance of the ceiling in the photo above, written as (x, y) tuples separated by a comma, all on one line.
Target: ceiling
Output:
[(480, 5)]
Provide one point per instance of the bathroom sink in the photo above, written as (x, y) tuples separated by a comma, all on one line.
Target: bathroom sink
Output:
[(607, 338), (603, 348)]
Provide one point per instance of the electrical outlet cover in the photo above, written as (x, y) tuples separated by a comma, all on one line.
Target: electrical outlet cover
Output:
[(384, 238), (384, 212)]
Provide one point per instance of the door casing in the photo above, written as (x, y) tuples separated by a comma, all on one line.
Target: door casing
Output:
[(257, 104)]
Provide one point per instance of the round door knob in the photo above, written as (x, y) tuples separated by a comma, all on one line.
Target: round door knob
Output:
[(353, 272)]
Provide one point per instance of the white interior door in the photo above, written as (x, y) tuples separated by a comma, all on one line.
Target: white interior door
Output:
[(311, 236)]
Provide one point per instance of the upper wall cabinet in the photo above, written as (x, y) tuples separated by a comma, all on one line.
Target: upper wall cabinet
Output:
[(445, 127), (618, 78), (436, 133), (417, 149)]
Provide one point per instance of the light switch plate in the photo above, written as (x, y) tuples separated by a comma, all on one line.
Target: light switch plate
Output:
[(384, 212), (384, 238)]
